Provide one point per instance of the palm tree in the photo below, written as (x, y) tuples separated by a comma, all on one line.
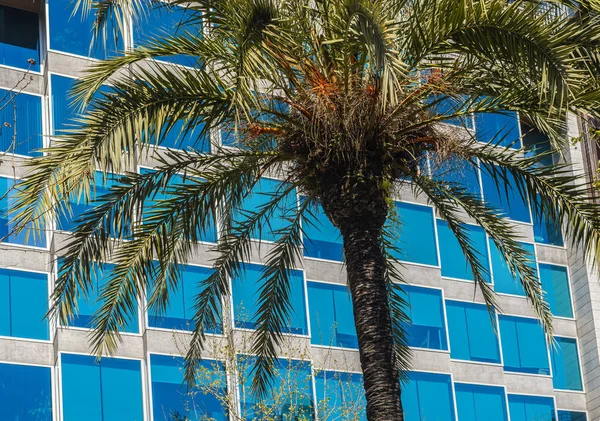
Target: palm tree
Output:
[(343, 100)]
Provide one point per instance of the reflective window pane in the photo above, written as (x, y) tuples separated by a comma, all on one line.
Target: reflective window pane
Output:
[(73, 33), (502, 195), (321, 238), (8, 198), (20, 123), (531, 408), (498, 128), (427, 327), (428, 396), (180, 310), (108, 390), (557, 293), (523, 345), (289, 397), (246, 292), (480, 403), (453, 260), (161, 20), (23, 304), (472, 335), (331, 316), (414, 237), (87, 306), (172, 400), (340, 396), (504, 282), (19, 38), (25, 393), (153, 204), (566, 374), (571, 416), (274, 222)]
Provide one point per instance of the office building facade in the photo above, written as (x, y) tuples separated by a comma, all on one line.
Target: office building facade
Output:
[(463, 369)]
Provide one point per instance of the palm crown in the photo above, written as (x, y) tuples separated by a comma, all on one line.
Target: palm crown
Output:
[(342, 100)]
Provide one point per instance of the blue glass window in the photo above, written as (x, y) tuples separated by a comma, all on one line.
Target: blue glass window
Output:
[(571, 416), (428, 396), (73, 34), (546, 232), (340, 396), (427, 328), (21, 134), (171, 400), (480, 403), (446, 106), (472, 335), (88, 306), (531, 408), (8, 198), (79, 205), (209, 231), (25, 393), (331, 316), (566, 374), (162, 20), (523, 345), (498, 128), (507, 201), (264, 192), (415, 237), (288, 398), (504, 282), (180, 311), (457, 172), (19, 38), (246, 291), (23, 304), (109, 390), (64, 110), (321, 238), (178, 138), (536, 143), (555, 283), (454, 262)]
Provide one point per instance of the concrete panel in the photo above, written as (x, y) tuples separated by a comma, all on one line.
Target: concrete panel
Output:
[(26, 352)]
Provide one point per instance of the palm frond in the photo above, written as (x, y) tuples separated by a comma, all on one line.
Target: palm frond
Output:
[(504, 235)]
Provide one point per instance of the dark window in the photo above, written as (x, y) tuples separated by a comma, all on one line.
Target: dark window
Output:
[(19, 38)]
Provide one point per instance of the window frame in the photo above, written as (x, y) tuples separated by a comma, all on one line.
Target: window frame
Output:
[(47, 231), (180, 331), (43, 31), (520, 373), (139, 170), (140, 326), (334, 284), (569, 284), (502, 386), (44, 120), (149, 395), (445, 319), (533, 395), (579, 364), (55, 385), (51, 321), (306, 308), (498, 337), (143, 378)]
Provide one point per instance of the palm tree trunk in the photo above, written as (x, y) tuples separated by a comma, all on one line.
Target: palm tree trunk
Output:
[(366, 264)]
